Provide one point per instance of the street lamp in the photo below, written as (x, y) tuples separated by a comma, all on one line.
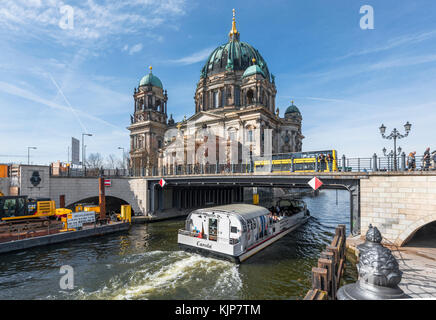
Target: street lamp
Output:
[(121, 148), (83, 148), (28, 154), (395, 134)]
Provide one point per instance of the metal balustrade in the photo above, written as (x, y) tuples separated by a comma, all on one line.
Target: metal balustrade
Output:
[(344, 164)]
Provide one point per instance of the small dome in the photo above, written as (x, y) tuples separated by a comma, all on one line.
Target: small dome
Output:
[(292, 109), (151, 79), (254, 69)]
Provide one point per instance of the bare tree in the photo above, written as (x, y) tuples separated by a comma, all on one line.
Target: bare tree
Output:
[(112, 161), (94, 160), (124, 164)]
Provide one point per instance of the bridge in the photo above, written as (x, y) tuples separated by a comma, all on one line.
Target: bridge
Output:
[(398, 203)]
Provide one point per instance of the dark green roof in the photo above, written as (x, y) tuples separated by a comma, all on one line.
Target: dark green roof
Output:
[(254, 69), (151, 79), (292, 109), (234, 55)]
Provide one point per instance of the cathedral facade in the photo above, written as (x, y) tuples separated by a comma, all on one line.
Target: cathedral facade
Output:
[(234, 99)]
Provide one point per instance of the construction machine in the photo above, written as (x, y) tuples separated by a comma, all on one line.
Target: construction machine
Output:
[(20, 207)]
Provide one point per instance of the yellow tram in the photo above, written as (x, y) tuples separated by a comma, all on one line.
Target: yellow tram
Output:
[(299, 162)]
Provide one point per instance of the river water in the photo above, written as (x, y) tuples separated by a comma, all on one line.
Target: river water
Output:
[(145, 263)]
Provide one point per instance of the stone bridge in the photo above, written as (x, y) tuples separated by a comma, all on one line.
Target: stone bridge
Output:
[(398, 203)]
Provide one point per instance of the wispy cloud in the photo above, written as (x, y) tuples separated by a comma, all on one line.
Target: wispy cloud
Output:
[(194, 58), (135, 49), (19, 92), (403, 40), (92, 21)]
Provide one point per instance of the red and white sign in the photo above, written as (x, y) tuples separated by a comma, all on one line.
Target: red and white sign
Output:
[(315, 183), (162, 182), (107, 182)]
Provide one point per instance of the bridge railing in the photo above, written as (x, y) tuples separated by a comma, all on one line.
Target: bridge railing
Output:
[(91, 172), (344, 164)]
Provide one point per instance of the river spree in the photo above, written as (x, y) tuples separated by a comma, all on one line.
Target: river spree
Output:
[(145, 263)]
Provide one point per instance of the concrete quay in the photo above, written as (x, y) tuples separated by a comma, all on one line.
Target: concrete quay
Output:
[(86, 232)]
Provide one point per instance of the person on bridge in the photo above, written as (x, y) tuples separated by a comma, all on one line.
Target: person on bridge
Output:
[(321, 162), (426, 160), (329, 161), (411, 162)]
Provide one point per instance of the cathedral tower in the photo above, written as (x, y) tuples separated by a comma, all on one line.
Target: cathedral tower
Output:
[(148, 123)]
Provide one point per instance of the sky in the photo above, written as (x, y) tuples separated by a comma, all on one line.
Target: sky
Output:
[(69, 67)]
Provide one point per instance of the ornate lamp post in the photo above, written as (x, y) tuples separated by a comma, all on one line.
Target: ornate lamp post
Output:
[(395, 134), (390, 155)]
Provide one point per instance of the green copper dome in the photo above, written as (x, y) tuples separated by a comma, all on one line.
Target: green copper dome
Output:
[(234, 55), (254, 69), (292, 109), (151, 79)]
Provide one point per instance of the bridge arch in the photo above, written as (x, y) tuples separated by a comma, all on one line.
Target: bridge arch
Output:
[(407, 235)]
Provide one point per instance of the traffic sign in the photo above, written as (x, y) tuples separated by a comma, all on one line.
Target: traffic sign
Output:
[(162, 182), (107, 182), (315, 183)]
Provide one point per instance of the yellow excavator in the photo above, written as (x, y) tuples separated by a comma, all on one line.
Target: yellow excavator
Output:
[(20, 207)]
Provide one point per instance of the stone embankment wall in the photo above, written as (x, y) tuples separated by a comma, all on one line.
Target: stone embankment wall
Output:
[(398, 205)]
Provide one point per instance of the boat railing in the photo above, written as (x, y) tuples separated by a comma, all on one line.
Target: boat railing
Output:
[(231, 241)]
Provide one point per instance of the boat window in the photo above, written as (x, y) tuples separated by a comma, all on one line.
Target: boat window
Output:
[(233, 229), (213, 229)]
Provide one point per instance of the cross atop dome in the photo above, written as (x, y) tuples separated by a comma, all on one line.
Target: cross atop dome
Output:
[(234, 34)]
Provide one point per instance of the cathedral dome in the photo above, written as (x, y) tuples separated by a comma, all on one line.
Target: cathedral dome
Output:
[(233, 56), (292, 110), (151, 79)]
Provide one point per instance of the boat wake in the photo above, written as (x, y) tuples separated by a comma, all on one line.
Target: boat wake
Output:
[(170, 275)]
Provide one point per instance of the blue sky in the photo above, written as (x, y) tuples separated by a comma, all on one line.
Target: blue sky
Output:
[(56, 83)]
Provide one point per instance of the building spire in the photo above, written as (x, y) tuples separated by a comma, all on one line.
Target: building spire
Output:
[(151, 68), (234, 34)]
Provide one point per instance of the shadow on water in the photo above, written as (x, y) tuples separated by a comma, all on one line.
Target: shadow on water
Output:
[(145, 263)]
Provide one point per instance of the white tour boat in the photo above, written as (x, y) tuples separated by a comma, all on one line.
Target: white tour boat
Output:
[(238, 231)]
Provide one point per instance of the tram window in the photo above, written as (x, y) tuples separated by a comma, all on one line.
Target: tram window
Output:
[(233, 229)]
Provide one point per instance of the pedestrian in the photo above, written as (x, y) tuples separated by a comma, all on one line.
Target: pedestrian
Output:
[(411, 163), (321, 166), (426, 159), (329, 161)]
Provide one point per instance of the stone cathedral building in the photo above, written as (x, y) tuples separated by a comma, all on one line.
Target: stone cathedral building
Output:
[(234, 97)]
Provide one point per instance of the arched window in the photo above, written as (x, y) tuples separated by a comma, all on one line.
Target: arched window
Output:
[(150, 102), (237, 96), (250, 135), (250, 97), (216, 101)]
